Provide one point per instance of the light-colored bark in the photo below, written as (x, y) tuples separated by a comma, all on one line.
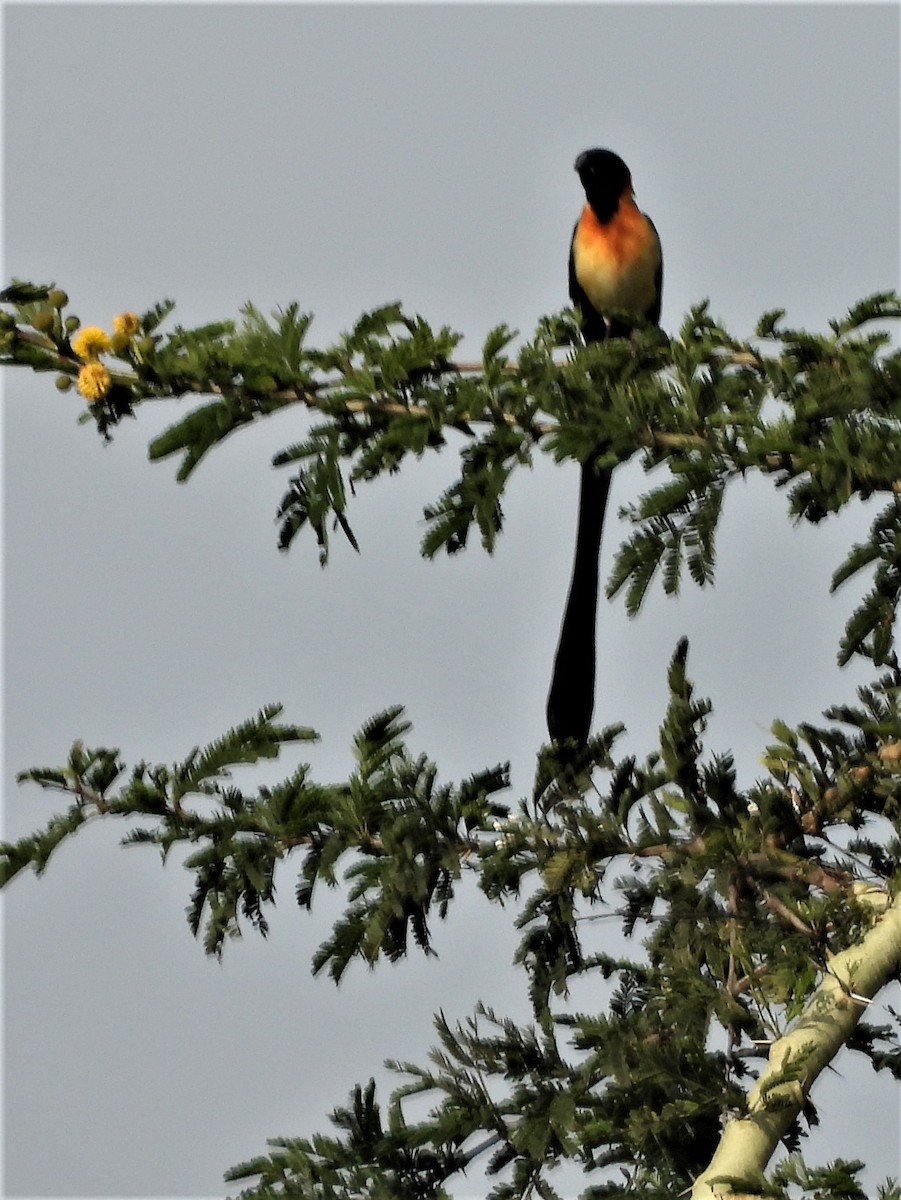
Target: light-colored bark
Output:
[(854, 976)]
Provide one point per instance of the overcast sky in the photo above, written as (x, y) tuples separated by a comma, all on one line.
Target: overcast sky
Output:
[(346, 156)]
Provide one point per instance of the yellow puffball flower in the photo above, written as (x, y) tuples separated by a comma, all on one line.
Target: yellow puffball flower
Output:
[(127, 324), (91, 342), (93, 382)]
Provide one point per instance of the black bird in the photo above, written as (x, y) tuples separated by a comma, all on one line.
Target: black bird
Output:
[(615, 266)]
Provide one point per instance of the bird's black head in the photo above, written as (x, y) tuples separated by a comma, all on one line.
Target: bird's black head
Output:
[(604, 177)]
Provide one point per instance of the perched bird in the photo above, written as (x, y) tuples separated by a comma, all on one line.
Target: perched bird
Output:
[(615, 267)]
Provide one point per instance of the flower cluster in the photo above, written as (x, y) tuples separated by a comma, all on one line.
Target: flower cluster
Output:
[(94, 380)]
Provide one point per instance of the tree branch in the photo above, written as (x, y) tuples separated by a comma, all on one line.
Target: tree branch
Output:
[(795, 1060)]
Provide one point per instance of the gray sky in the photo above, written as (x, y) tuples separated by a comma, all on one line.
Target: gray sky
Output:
[(346, 156)]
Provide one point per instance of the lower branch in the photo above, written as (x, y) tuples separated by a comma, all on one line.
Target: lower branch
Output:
[(854, 976)]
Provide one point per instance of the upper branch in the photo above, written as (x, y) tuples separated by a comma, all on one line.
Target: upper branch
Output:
[(818, 414)]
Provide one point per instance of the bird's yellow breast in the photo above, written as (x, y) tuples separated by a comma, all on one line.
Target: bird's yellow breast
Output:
[(616, 262)]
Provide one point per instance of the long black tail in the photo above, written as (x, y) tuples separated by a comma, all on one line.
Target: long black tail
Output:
[(570, 701)]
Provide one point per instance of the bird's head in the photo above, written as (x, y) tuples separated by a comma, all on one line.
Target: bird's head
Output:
[(605, 177)]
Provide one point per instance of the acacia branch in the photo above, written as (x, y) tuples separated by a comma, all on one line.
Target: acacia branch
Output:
[(795, 1061)]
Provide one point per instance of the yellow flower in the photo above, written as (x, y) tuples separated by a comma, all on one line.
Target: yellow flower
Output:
[(127, 324), (93, 382), (91, 342)]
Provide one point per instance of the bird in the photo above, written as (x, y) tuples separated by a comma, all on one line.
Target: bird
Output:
[(615, 272)]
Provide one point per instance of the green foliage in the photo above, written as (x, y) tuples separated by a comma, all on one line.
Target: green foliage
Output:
[(733, 900), (837, 1181), (742, 897), (413, 837), (743, 909), (407, 834), (819, 414), (365, 1161), (870, 629)]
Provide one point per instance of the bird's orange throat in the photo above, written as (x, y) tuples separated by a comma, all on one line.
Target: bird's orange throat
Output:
[(616, 261)]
